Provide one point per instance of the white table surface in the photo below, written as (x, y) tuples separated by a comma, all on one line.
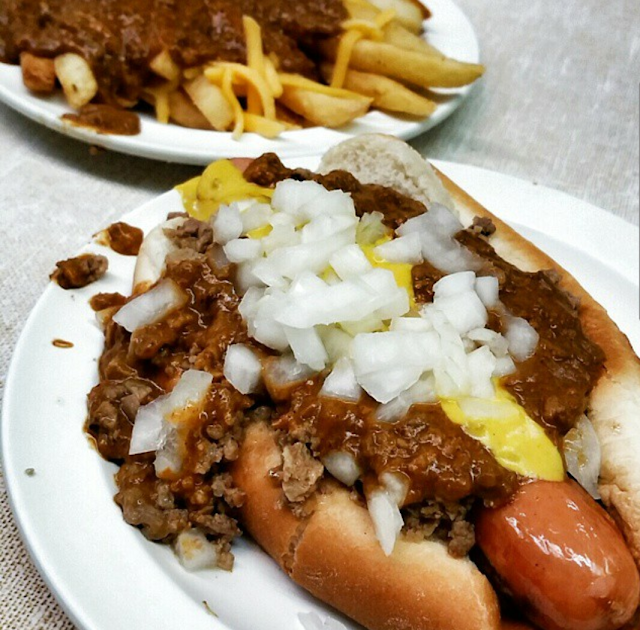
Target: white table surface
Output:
[(558, 106)]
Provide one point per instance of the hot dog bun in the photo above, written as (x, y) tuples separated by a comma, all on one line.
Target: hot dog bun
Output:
[(335, 555), (333, 552)]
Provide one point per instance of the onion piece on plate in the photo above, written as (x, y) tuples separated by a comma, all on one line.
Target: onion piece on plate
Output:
[(194, 551)]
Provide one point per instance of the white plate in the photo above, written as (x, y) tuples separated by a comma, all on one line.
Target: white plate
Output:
[(105, 574), (448, 29)]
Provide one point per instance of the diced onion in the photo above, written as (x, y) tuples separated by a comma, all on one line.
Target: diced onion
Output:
[(280, 236), (385, 385), (405, 249), (349, 261), (190, 389), (396, 485), (255, 217), (498, 345), (241, 249), (168, 461), (194, 551), (522, 338), (504, 366), (226, 224), (342, 383), (147, 429), (583, 455), (336, 342), (242, 368), (436, 229), (245, 278), (371, 228), (414, 324), (464, 310), (386, 517), (454, 283), (342, 466), (481, 367), (487, 288), (151, 307), (157, 424), (307, 347), (283, 372), (393, 410)]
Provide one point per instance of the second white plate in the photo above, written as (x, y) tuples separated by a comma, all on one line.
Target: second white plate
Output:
[(448, 29)]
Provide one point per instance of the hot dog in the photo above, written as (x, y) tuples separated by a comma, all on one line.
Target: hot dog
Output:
[(552, 535), (439, 464)]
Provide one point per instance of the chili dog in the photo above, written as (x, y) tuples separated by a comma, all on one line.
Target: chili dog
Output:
[(339, 444)]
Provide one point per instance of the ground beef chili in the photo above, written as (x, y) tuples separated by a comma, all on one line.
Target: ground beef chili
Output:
[(100, 301), (395, 207), (553, 385), (119, 38), (78, 272), (105, 119), (136, 369), (123, 238), (448, 471)]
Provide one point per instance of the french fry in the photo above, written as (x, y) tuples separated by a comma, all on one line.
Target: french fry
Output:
[(157, 93), (77, 79), (164, 66), (386, 93), (185, 113), (407, 65), (409, 13), (323, 109), (38, 73), (394, 32), (397, 35), (210, 100), (250, 78), (264, 126)]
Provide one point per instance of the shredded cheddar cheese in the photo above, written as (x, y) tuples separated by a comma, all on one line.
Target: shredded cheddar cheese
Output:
[(255, 61), (238, 113), (355, 30), (294, 80)]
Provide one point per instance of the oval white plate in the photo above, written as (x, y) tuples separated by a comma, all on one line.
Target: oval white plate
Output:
[(448, 29), (105, 574)]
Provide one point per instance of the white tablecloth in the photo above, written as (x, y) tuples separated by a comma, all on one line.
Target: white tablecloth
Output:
[(558, 106)]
